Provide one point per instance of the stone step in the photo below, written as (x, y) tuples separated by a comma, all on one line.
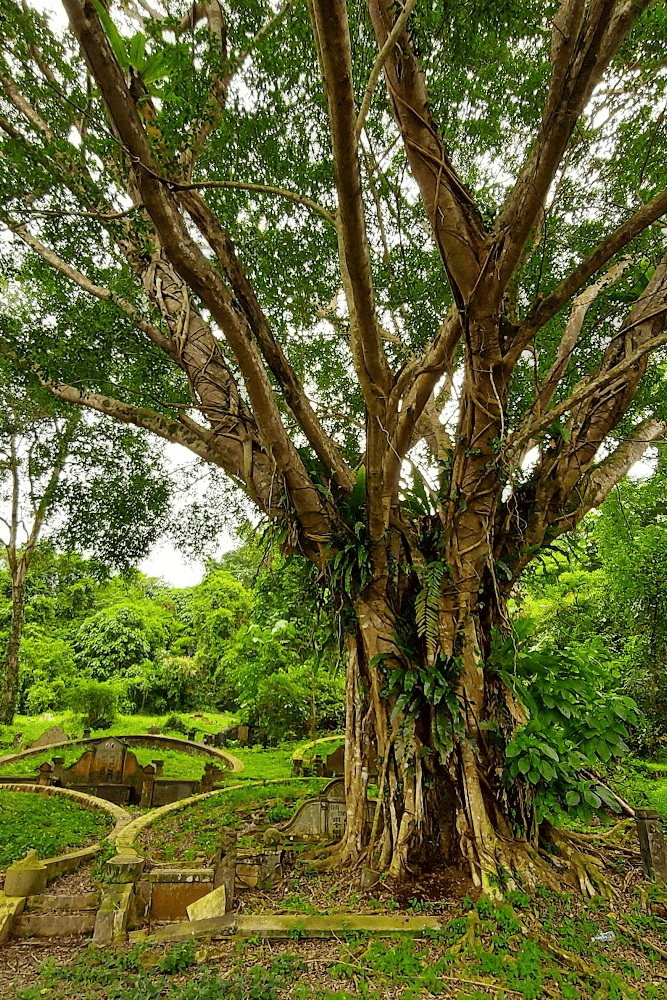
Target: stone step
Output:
[(58, 903), (297, 926), (51, 925)]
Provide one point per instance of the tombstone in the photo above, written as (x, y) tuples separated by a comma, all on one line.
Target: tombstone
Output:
[(220, 739), (45, 773), (225, 865), (212, 775), (159, 768), (58, 767), (334, 764), (192, 735), (318, 766), (147, 786), (243, 734), (53, 735), (107, 769), (297, 767), (323, 817), (208, 739), (154, 731), (651, 844), (18, 741), (86, 734)]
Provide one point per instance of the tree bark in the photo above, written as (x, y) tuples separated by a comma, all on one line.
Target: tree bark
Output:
[(11, 686)]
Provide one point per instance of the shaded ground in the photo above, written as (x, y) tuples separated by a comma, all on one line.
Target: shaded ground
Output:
[(534, 947)]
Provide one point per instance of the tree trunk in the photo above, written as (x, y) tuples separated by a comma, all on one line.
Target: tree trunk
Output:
[(439, 726), (11, 685)]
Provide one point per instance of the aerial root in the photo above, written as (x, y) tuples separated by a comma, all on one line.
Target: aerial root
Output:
[(582, 863)]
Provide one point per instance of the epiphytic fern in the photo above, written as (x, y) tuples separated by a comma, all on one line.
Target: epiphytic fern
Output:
[(427, 604)]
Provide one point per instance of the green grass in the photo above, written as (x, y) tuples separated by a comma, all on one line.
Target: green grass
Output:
[(50, 825), (195, 830), (265, 764), (32, 727)]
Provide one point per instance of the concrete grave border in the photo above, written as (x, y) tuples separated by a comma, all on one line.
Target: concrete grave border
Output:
[(152, 742), (64, 863), (11, 907), (300, 751)]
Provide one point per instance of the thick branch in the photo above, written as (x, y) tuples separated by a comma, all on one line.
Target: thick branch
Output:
[(336, 58), (457, 225), (602, 479), (580, 307), (292, 388), (584, 41), (195, 268), (545, 310), (382, 57)]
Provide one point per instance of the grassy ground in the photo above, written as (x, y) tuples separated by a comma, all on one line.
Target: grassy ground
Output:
[(50, 825), (194, 832)]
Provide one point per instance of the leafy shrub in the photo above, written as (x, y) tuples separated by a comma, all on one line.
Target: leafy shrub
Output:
[(576, 723), (94, 702)]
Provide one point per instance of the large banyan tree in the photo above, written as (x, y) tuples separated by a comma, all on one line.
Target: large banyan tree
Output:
[(398, 269)]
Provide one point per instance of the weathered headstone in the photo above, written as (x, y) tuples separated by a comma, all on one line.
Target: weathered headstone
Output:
[(243, 734), (334, 765), (154, 731), (225, 865), (86, 734), (56, 734), (147, 786), (651, 844), (45, 773), (159, 767), (213, 904), (18, 741), (192, 735)]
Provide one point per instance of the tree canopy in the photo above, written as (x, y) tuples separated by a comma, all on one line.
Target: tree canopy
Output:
[(400, 272)]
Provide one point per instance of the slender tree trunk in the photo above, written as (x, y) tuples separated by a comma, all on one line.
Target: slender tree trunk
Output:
[(11, 685)]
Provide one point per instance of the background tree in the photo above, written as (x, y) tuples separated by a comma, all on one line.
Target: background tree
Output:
[(368, 304), (101, 486)]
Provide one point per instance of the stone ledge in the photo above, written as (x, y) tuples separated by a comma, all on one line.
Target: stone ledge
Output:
[(11, 907), (49, 903), (44, 924), (179, 875), (296, 927)]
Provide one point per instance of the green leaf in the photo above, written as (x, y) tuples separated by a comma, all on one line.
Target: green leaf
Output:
[(116, 41)]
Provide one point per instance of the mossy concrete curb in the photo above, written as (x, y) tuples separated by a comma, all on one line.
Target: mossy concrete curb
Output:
[(10, 908), (292, 927), (300, 751), (64, 863)]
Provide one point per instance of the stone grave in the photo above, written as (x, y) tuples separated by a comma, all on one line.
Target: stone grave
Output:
[(56, 734), (322, 818), (109, 770)]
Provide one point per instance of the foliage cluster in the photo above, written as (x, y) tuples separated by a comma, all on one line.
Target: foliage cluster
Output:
[(602, 596), (100, 644)]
